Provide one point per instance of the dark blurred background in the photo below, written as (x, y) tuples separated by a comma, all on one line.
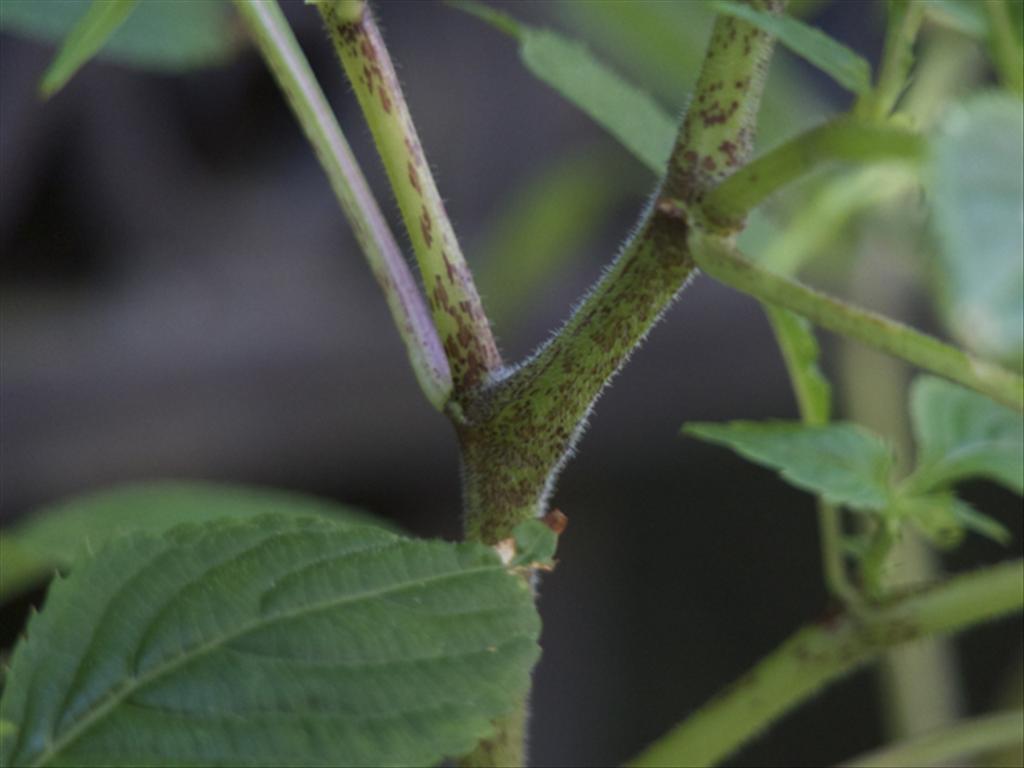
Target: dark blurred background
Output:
[(181, 297)]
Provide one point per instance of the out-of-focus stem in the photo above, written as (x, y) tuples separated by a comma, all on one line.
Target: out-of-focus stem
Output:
[(277, 44), (955, 742), (820, 653)]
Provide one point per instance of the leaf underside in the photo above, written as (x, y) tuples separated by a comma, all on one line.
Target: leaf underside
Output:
[(276, 641), (842, 462)]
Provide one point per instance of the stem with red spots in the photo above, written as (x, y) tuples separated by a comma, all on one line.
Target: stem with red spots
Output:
[(279, 49), (517, 436), (457, 311)]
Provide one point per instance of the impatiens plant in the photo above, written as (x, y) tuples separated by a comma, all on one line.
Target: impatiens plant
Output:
[(195, 624)]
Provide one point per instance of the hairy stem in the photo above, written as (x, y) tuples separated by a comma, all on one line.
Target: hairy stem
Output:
[(967, 738), (821, 653), (279, 49), (456, 307), (842, 139), (722, 261), (518, 435)]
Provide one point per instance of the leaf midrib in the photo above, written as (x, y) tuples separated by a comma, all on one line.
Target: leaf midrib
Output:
[(97, 713)]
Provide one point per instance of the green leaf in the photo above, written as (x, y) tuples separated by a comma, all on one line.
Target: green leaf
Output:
[(841, 462), (272, 641), (830, 56), (162, 35), (978, 193), (53, 537), (626, 112), (535, 544), (800, 351), (84, 41), (962, 434)]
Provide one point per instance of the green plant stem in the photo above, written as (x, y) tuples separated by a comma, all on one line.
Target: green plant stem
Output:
[(719, 258), (845, 138), (820, 653), (905, 17), (457, 311), (966, 738), (1007, 52), (272, 35), (517, 436), (815, 410)]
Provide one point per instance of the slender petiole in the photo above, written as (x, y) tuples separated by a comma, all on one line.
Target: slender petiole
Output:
[(845, 138), (277, 44), (720, 259)]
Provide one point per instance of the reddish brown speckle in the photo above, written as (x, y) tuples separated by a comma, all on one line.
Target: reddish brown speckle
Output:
[(426, 227), (414, 178)]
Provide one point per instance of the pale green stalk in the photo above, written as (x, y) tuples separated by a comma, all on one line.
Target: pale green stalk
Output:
[(719, 258), (967, 738), (821, 653), (845, 138), (277, 44), (454, 302)]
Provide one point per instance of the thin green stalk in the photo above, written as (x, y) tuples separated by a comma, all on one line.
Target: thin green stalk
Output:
[(813, 399), (845, 138), (719, 258), (1007, 51), (277, 44), (457, 311), (821, 653), (905, 17), (967, 738)]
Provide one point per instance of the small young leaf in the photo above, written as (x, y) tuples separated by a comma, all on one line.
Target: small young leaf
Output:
[(832, 57), (977, 180), (535, 543), (52, 537), (84, 41), (626, 112), (841, 462), (271, 641), (162, 35), (961, 434)]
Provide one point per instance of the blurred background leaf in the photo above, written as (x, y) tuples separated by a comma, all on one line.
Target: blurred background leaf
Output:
[(977, 183), (961, 434), (83, 41), (162, 35)]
